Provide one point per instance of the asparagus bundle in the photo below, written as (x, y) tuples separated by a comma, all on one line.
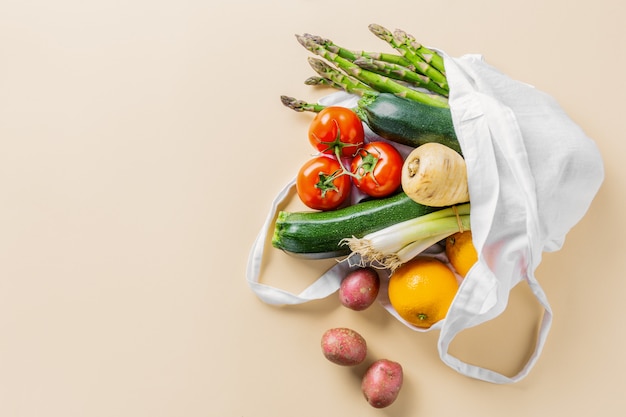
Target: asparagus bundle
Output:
[(412, 71)]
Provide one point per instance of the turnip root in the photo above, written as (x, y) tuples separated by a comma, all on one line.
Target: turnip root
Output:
[(359, 289), (435, 175), (344, 346), (382, 382)]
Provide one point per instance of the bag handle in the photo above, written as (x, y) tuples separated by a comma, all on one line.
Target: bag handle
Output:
[(461, 317), (324, 286), (488, 130)]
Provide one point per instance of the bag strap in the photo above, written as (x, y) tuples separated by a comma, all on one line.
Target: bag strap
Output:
[(461, 320), (324, 286)]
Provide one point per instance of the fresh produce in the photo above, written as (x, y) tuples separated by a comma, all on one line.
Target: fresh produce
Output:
[(344, 346), (359, 289), (435, 175), (371, 79), (404, 97), (399, 72), (320, 234), (461, 252), (336, 130), (382, 383), (395, 66), (321, 184), (377, 169), (422, 290), (428, 62), (407, 205), (408, 122), (394, 245), (396, 118), (330, 76)]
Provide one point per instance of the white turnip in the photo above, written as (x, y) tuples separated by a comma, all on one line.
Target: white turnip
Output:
[(435, 175)]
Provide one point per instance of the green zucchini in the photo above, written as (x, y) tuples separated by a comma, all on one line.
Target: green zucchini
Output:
[(408, 122), (317, 235)]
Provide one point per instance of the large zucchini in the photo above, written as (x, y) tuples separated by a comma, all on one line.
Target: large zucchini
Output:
[(318, 234), (408, 122)]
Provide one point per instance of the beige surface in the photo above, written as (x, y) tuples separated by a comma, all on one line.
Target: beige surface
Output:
[(141, 145)]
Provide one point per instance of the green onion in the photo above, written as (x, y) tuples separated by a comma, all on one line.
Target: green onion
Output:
[(397, 244)]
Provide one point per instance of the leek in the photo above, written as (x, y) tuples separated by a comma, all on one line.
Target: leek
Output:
[(394, 245)]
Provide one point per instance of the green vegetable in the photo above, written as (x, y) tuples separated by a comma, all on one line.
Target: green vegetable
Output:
[(423, 64), (337, 79), (301, 105), (374, 80), (401, 73), (407, 121), (319, 234), (426, 61), (352, 55)]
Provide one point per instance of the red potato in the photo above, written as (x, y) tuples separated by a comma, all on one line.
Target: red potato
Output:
[(382, 382), (359, 289), (344, 346)]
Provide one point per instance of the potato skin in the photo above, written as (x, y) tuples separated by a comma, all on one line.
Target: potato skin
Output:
[(382, 382), (359, 289), (344, 346)]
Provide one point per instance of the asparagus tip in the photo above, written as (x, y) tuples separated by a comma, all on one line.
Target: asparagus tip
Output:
[(307, 42), (380, 31), (315, 81), (290, 102), (317, 39), (400, 35), (318, 65), (302, 39)]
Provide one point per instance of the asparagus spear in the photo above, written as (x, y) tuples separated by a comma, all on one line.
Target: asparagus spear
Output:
[(401, 73), (430, 56), (301, 105), (339, 79), (375, 81), (352, 55), (317, 80), (385, 57), (420, 64)]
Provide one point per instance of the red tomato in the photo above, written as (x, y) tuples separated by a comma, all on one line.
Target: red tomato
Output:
[(322, 184), (378, 169), (336, 130)]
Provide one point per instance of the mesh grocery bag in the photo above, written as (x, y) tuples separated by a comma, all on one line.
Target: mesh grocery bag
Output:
[(532, 175)]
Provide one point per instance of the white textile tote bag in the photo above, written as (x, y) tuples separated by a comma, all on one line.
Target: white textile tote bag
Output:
[(532, 175)]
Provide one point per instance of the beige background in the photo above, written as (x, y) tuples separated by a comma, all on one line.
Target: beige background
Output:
[(141, 145)]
